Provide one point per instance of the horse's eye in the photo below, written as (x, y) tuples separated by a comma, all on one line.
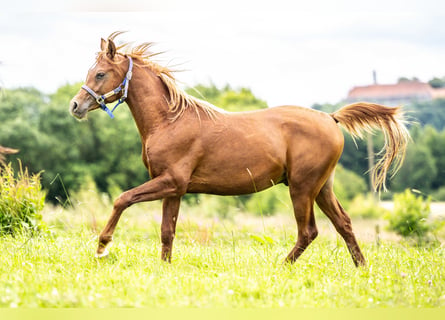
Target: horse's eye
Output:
[(100, 75)]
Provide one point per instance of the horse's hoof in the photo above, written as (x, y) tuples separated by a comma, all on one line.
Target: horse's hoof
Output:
[(102, 251), (102, 255)]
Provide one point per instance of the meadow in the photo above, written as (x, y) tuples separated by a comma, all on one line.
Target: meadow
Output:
[(234, 262)]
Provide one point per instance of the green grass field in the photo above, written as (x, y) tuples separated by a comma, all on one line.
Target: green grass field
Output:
[(216, 263)]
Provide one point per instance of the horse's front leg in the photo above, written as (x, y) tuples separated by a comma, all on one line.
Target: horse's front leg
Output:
[(170, 210), (164, 186)]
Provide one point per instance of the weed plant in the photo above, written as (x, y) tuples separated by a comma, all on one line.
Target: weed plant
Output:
[(410, 216), (21, 201)]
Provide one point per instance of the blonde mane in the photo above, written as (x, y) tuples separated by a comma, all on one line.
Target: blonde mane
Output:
[(178, 100)]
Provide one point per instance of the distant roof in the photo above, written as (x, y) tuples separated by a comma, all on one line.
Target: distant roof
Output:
[(414, 90)]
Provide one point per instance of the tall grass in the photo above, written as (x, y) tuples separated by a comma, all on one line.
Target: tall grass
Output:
[(21, 201), (232, 271)]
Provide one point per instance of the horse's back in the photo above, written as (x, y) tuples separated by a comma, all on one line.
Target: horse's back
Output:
[(295, 125)]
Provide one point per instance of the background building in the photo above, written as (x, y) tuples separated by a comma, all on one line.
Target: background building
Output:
[(402, 93)]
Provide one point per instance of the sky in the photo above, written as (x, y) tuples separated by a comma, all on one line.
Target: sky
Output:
[(286, 52)]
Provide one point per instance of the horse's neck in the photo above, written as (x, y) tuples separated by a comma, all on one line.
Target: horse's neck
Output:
[(147, 102)]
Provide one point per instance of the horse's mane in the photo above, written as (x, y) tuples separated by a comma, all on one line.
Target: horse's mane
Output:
[(178, 100)]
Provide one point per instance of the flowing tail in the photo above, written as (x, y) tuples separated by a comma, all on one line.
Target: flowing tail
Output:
[(361, 117)]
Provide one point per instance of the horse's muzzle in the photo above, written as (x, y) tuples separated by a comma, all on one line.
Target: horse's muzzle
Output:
[(78, 110)]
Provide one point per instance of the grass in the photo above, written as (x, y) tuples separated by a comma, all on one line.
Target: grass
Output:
[(216, 263), (21, 200)]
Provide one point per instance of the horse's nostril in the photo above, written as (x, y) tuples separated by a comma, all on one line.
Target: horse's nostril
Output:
[(74, 107)]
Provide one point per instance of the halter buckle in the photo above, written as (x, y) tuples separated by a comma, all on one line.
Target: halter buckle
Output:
[(100, 100)]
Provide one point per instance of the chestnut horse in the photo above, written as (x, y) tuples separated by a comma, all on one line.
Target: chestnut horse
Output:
[(190, 146)]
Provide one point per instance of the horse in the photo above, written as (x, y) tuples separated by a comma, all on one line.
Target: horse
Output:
[(190, 146)]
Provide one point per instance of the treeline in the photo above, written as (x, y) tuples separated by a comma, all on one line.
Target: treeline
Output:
[(108, 151), (68, 151)]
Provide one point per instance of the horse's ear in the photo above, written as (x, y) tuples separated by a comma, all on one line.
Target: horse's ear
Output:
[(103, 44), (111, 50)]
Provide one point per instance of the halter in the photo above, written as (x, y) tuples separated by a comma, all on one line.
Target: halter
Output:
[(100, 99)]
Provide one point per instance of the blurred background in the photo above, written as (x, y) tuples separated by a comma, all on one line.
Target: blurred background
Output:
[(238, 56)]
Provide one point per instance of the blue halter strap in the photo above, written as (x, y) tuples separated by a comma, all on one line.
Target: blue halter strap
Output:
[(100, 99)]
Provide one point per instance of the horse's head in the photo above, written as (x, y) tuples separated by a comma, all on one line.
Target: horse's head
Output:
[(106, 81)]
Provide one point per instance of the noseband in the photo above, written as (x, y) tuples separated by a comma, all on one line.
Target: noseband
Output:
[(100, 99)]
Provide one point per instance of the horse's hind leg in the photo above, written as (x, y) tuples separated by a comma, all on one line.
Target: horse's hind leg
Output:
[(304, 214), (329, 204)]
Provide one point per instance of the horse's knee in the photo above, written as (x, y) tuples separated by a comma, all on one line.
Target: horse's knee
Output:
[(179, 186), (122, 202)]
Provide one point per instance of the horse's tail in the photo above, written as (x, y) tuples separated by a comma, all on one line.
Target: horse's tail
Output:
[(362, 117)]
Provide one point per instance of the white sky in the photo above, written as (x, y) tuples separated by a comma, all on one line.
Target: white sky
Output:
[(287, 52)]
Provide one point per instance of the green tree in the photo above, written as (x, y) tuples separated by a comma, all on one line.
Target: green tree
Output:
[(67, 150), (418, 171), (327, 107), (348, 184), (435, 142), (437, 82), (428, 113), (19, 117), (241, 99)]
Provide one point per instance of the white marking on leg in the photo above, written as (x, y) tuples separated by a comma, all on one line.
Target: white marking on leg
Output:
[(105, 253)]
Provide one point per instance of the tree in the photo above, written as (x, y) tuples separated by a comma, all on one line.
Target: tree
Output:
[(418, 170), (241, 99), (67, 151), (428, 113), (437, 82), (19, 115), (435, 142), (406, 79)]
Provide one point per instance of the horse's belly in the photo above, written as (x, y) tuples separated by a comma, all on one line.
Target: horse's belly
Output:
[(232, 179), (241, 158)]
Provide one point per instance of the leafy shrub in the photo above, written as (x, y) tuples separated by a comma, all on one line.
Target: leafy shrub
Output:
[(348, 185), (439, 195), (21, 201), (409, 218), (217, 206), (270, 201), (365, 206)]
